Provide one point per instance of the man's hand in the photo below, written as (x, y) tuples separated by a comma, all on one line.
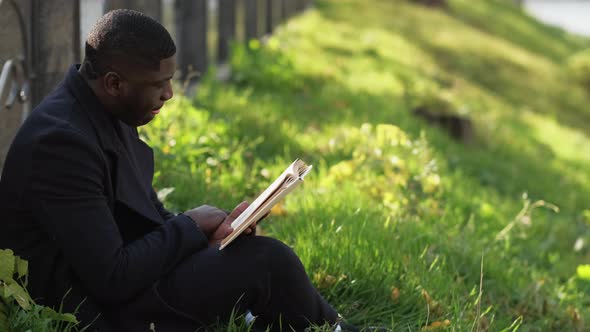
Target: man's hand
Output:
[(208, 218), (225, 228)]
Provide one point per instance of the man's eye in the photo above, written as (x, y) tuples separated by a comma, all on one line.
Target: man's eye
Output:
[(162, 84)]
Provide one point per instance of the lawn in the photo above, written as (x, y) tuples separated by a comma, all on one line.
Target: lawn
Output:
[(399, 223)]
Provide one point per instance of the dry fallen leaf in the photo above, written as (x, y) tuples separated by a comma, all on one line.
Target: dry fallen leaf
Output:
[(395, 294), (278, 210), (437, 325)]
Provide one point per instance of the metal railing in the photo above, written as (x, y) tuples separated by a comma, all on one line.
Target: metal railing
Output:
[(15, 74), (14, 86)]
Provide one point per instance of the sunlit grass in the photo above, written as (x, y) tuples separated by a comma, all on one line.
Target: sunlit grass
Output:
[(567, 143), (396, 218)]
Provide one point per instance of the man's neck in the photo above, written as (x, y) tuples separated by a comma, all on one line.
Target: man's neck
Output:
[(109, 103), (93, 84)]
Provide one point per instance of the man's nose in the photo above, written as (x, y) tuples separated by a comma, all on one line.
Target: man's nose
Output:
[(168, 93)]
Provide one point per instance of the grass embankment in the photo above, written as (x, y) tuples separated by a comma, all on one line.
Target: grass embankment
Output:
[(395, 220)]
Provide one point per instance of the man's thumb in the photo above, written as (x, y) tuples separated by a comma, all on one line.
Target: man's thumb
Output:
[(227, 229)]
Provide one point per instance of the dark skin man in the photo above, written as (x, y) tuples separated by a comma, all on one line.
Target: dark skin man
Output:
[(136, 96)]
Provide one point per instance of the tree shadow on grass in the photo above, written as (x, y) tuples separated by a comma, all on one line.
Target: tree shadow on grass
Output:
[(497, 74), (510, 165), (497, 77)]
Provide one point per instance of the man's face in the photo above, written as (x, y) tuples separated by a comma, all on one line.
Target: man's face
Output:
[(144, 92)]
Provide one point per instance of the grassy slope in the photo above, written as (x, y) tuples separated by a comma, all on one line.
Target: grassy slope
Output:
[(393, 223)]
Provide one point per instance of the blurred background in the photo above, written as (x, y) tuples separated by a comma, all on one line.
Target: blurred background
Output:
[(21, 31), (41, 38)]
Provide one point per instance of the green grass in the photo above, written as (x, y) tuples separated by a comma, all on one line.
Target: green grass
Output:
[(397, 218), (18, 311), (395, 221)]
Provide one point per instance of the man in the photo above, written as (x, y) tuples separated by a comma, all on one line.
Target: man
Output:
[(76, 201)]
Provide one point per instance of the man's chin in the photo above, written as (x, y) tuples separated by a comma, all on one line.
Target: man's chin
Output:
[(138, 122), (147, 119)]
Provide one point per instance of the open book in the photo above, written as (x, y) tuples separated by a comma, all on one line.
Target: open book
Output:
[(283, 185)]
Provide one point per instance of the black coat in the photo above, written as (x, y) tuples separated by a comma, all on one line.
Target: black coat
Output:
[(76, 201)]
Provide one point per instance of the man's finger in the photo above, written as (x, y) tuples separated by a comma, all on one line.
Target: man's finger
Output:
[(236, 212), (226, 229), (251, 229)]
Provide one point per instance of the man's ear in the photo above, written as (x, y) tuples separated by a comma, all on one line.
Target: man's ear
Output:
[(112, 84)]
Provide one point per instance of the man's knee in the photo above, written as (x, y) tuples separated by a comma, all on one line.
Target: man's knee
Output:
[(272, 253), (282, 261)]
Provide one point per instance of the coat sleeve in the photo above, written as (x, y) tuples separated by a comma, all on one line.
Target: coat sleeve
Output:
[(67, 198), (160, 207)]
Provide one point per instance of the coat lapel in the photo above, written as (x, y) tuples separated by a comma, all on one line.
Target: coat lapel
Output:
[(132, 190), (133, 159)]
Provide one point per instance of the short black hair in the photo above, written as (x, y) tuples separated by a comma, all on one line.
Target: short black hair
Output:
[(126, 35)]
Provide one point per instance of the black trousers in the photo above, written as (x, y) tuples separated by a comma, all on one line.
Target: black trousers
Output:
[(255, 273)]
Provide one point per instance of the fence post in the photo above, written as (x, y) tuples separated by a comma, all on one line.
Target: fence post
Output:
[(227, 28), (251, 19), (152, 8), (55, 43), (286, 9), (300, 5), (269, 17), (191, 32)]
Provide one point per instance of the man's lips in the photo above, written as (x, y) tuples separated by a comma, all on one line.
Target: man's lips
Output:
[(155, 110)]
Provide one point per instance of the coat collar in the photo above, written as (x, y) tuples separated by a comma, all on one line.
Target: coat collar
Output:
[(103, 122), (134, 159)]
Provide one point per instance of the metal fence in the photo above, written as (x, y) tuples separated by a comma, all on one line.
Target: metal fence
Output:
[(40, 39)]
